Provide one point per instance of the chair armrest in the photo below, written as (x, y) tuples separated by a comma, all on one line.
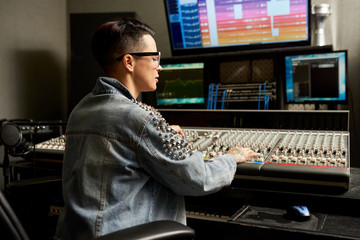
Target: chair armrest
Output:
[(159, 230)]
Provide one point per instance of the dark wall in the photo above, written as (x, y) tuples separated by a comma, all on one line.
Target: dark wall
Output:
[(84, 69)]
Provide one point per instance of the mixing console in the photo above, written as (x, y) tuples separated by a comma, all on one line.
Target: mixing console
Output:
[(306, 157), (54, 145), (287, 147)]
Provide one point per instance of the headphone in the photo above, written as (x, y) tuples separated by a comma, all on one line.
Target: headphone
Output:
[(16, 139)]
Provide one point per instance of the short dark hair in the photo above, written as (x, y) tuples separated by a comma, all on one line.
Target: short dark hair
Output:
[(115, 38)]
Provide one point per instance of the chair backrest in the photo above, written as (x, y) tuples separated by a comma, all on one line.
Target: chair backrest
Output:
[(12, 229), (10, 226), (159, 230)]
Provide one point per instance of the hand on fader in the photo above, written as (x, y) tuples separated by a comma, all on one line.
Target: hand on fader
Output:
[(178, 129), (242, 154)]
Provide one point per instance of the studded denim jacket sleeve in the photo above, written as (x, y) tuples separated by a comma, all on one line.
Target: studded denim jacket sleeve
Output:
[(165, 154)]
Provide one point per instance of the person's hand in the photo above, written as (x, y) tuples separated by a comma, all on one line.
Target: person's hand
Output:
[(242, 154), (178, 129)]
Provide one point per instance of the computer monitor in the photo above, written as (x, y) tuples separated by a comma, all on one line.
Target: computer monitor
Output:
[(208, 26), (316, 78), (181, 84)]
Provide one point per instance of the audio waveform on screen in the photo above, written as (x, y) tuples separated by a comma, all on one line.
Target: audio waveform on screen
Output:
[(182, 88)]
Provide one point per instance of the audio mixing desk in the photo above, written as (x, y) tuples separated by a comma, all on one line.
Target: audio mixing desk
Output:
[(306, 157)]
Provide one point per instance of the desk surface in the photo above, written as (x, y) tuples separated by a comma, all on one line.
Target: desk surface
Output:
[(271, 223), (320, 198), (335, 214)]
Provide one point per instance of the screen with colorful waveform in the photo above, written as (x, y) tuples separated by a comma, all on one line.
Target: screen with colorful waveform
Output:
[(317, 78), (202, 26), (181, 83)]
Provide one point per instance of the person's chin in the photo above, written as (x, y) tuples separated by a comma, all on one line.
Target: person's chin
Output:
[(151, 89)]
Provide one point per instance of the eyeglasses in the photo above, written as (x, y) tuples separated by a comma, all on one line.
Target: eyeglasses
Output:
[(143, 54)]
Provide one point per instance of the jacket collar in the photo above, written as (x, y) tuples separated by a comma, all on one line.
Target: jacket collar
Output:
[(111, 85)]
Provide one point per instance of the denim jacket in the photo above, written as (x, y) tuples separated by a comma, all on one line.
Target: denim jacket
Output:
[(124, 166)]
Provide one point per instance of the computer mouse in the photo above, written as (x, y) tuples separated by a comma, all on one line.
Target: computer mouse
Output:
[(298, 213)]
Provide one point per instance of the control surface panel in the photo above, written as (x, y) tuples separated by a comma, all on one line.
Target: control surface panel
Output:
[(306, 157)]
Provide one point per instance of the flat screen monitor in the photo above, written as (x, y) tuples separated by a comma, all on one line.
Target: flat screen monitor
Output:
[(181, 84), (316, 78), (208, 26)]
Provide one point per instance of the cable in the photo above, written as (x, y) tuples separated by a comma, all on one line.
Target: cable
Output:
[(259, 97), (215, 97), (267, 99), (210, 93), (223, 99), (265, 95)]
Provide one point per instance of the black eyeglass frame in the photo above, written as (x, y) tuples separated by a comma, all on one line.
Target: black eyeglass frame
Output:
[(140, 54)]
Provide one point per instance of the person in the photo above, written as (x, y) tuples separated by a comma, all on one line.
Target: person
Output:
[(124, 165)]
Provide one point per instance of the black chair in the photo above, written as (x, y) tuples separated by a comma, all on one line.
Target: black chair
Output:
[(160, 230), (10, 226), (12, 229)]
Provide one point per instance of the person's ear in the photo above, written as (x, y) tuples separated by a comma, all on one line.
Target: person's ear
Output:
[(128, 62)]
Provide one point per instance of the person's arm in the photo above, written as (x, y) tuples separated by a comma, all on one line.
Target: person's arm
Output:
[(240, 154), (164, 154)]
